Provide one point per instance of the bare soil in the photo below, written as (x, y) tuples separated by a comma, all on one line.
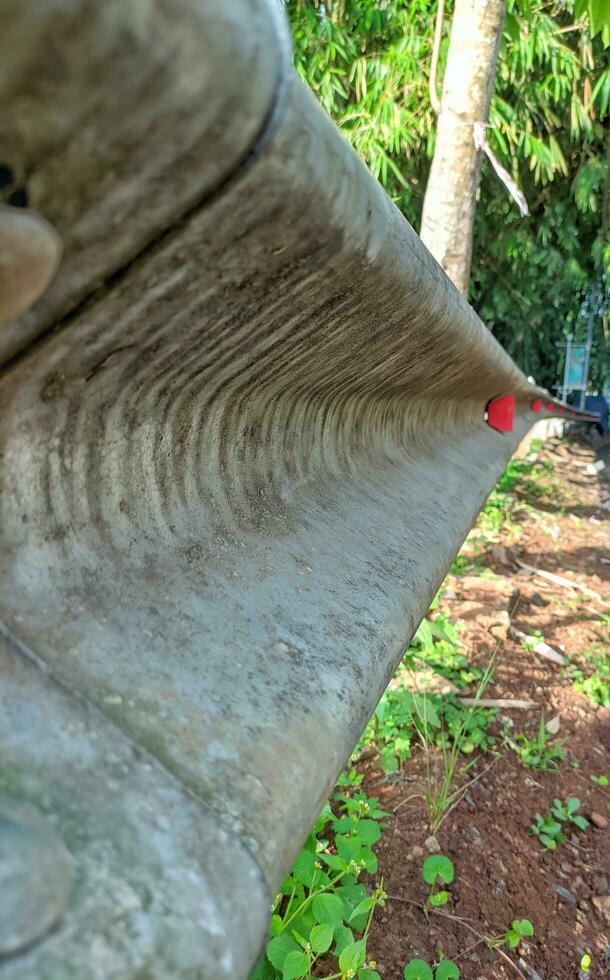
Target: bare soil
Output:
[(501, 872)]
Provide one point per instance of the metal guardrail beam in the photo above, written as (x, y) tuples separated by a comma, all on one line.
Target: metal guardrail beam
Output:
[(123, 117), (242, 438)]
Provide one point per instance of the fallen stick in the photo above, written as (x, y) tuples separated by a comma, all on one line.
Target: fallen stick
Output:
[(594, 613), (538, 646), (498, 703), (558, 579)]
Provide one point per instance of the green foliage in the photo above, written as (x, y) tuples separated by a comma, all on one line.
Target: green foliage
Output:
[(349, 778), (447, 970), (599, 780), (531, 642), (419, 970), (540, 752), (466, 727), (437, 868), (592, 676), (439, 898), (523, 482), (404, 717), (445, 660), (461, 730), (598, 13), (520, 929), (535, 279), (439, 628), (464, 565), (496, 513), (393, 725), (322, 908), (568, 812), (549, 829), (367, 62), (363, 60)]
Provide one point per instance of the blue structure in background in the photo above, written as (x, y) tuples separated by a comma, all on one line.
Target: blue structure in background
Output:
[(598, 405)]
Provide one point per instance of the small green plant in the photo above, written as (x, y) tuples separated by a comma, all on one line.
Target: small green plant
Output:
[(419, 970), (567, 812), (523, 480), (392, 727), (467, 730), (437, 869), (540, 752), (549, 829), (349, 778), (465, 565), (439, 628), (469, 726), (596, 688), (531, 642), (599, 780), (404, 716), (496, 514), (520, 929), (436, 646), (592, 676), (322, 909), (447, 970)]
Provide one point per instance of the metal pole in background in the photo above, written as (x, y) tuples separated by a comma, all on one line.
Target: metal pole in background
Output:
[(585, 376), (566, 369)]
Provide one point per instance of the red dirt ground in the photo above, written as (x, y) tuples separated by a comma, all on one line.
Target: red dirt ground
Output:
[(501, 873)]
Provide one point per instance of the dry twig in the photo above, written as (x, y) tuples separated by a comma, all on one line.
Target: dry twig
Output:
[(526, 705), (558, 580)]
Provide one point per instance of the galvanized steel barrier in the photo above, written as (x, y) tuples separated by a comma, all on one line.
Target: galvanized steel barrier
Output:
[(243, 435)]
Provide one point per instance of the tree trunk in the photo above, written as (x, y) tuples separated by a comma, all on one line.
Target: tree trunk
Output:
[(449, 204)]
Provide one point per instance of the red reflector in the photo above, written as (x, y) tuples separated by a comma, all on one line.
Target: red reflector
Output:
[(537, 405), (561, 409), (549, 406), (501, 413)]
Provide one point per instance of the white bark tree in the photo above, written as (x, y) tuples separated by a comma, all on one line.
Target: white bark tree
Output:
[(450, 200)]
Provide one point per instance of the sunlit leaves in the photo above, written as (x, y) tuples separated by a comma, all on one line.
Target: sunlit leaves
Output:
[(368, 62)]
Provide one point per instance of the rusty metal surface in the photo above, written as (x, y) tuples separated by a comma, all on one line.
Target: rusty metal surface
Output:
[(232, 482)]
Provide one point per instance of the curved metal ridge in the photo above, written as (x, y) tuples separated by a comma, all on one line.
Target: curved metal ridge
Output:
[(231, 485), (120, 118)]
